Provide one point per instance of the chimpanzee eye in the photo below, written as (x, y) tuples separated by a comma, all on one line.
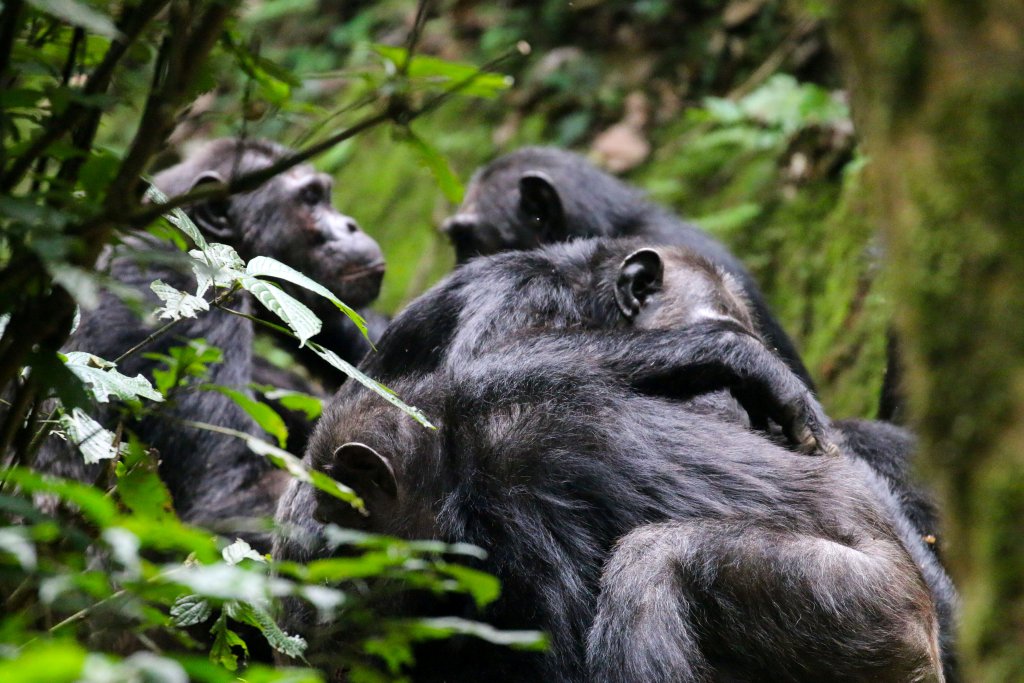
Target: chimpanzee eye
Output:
[(312, 195)]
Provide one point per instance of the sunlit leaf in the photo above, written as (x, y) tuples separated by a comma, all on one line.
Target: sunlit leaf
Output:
[(178, 218), (297, 401), (177, 304), (218, 265), (105, 381), (15, 541), (240, 550), (438, 73), (268, 267), (95, 442), (302, 321)]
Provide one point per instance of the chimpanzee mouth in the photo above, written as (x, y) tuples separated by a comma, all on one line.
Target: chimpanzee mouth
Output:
[(375, 268)]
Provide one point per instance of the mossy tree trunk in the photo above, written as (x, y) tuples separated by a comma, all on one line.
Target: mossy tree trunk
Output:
[(937, 89)]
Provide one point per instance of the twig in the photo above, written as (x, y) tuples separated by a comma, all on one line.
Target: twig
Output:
[(161, 331), (414, 37)]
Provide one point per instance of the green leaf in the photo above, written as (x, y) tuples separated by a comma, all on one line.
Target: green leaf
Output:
[(92, 503), (95, 442), (297, 401), (44, 662), (291, 646), (265, 416), (445, 627), (189, 610), (224, 640), (78, 14), (484, 587), (262, 266), (139, 486), (104, 381), (178, 218), (378, 388), (302, 321), (177, 304), (440, 74), (446, 179), (240, 550)]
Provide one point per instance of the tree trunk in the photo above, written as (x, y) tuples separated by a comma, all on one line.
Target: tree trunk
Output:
[(937, 89)]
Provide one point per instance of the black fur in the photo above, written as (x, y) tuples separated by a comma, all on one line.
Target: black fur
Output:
[(652, 539), (542, 195), (214, 478)]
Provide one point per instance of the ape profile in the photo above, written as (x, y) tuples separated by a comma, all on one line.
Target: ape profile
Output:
[(213, 477), (624, 500)]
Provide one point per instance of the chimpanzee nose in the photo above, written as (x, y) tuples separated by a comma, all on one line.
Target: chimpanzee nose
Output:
[(351, 226)]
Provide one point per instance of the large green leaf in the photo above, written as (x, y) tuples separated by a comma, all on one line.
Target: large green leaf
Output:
[(43, 662), (189, 610), (302, 321), (268, 267)]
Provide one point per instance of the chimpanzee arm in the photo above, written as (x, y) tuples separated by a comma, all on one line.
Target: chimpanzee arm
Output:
[(695, 360)]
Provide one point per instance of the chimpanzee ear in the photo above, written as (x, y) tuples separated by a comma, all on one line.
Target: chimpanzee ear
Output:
[(212, 216), (366, 472), (540, 203), (640, 275)]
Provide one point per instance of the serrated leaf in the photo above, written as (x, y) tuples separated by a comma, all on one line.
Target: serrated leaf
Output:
[(292, 646), (381, 390), (265, 416), (178, 218), (103, 380), (224, 640), (447, 181), (189, 610), (240, 550), (296, 315), (263, 266), (95, 442), (78, 14), (219, 265), (177, 304)]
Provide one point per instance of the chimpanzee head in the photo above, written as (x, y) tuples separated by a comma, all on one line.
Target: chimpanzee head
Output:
[(669, 287), (290, 217), (538, 195)]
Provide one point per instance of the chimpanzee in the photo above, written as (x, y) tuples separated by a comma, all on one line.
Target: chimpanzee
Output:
[(563, 429), (541, 195), (213, 477), (677, 287)]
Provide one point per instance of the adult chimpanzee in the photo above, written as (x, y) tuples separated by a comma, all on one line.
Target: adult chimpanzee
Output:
[(210, 476), (542, 195), (564, 429)]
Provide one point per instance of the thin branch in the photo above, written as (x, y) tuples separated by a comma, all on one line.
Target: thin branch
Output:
[(414, 37), (161, 331)]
